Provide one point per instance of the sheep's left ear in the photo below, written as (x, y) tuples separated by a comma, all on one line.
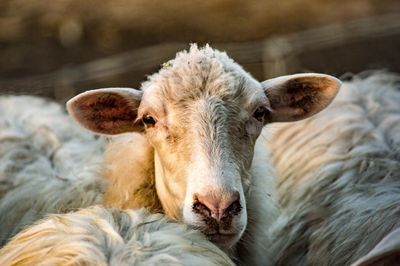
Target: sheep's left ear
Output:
[(299, 96), (107, 111)]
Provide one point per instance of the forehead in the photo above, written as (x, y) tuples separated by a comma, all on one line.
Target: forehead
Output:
[(200, 74)]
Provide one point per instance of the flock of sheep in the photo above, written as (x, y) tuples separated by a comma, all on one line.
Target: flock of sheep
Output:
[(204, 165)]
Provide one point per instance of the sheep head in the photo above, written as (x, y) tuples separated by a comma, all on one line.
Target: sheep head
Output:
[(202, 113)]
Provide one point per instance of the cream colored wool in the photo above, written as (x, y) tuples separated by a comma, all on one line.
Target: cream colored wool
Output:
[(47, 163), (100, 236)]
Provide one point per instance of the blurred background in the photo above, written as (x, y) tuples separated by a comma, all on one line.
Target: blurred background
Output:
[(57, 48)]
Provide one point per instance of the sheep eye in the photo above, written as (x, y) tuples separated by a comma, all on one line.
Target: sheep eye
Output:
[(260, 113), (148, 120)]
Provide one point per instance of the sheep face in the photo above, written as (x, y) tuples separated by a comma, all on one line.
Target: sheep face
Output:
[(203, 130), (202, 113)]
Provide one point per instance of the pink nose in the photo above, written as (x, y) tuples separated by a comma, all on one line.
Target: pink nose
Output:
[(217, 207)]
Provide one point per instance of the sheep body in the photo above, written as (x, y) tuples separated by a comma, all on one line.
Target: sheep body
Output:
[(47, 164), (128, 178), (338, 176), (61, 169), (168, 170), (70, 174), (100, 236)]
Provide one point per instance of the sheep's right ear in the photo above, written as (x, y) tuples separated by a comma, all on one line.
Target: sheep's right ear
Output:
[(107, 111), (298, 96), (386, 252)]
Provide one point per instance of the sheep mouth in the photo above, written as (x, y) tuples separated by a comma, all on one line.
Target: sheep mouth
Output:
[(221, 238)]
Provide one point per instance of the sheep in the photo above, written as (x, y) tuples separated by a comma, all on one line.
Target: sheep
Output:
[(188, 144), (101, 236), (338, 177), (47, 164)]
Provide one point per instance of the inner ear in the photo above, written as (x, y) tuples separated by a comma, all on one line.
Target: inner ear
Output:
[(299, 96), (107, 111)]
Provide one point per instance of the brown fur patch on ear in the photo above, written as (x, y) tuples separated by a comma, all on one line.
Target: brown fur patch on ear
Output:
[(303, 94), (107, 113), (299, 96)]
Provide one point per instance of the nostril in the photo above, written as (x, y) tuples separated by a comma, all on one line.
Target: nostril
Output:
[(201, 209), (233, 209), (225, 205)]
